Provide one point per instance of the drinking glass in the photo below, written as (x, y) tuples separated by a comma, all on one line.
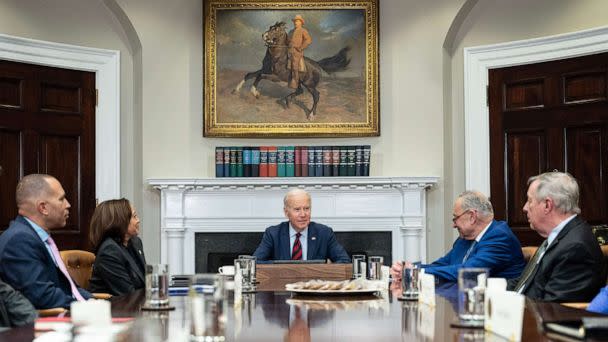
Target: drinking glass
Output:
[(358, 271), (245, 267), (157, 286), (409, 282), (471, 293), (206, 307), (375, 267)]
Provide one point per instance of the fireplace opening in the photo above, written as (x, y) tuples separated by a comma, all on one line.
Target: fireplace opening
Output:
[(213, 250)]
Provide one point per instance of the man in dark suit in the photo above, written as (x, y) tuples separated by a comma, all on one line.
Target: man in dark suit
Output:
[(569, 265), (483, 242), (299, 238), (30, 260)]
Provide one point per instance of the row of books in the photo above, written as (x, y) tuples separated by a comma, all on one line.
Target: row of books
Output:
[(292, 161)]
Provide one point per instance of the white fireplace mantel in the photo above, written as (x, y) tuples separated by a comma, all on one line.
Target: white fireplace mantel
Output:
[(188, 206)]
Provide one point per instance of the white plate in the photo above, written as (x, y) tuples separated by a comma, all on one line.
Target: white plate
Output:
[(333, 292)]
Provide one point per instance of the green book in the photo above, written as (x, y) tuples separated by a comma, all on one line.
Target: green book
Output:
[(343, 163), (350, 161), (290, 161), (281, 161), (232, 161)]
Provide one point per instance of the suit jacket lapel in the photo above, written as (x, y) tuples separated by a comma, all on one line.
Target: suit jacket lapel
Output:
[(138, 246), (567, 228), (132, 263), (284, 242), (312, 242)]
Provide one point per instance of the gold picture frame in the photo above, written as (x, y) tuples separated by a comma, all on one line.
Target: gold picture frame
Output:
[(248, 74)]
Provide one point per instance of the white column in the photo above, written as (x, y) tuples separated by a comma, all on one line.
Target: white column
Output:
[(412, 239), (175, 248)]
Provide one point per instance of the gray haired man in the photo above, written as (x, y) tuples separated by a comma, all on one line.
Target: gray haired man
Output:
[(569, 265), (483, 242)]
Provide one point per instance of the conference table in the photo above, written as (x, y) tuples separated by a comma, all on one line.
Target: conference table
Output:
[(274, 314)]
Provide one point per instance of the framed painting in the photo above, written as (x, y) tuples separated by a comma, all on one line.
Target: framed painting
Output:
[(290, 68)]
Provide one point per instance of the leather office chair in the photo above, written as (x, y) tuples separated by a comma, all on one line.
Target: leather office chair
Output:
[(528, 252), (80, 267), (585, 305), (79, 264)]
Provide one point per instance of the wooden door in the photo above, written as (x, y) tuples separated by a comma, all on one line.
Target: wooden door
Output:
[(47, 125), (549, 116)]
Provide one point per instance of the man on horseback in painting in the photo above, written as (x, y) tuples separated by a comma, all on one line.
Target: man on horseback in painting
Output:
[(299, 39)]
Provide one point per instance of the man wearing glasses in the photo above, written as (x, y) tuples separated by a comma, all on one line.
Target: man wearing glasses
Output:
[(483, 242)]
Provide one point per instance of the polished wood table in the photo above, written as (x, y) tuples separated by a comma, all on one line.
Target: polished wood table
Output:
[(281, 316)]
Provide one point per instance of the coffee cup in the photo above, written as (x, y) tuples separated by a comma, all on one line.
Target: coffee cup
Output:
[(227, 270)]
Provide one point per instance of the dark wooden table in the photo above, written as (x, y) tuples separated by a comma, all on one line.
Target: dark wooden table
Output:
[(280, 316)]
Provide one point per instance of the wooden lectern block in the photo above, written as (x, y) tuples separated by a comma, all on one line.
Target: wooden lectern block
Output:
[(273, 277)]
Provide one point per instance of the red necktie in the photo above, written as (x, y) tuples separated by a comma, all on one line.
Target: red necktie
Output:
[(296, 251)]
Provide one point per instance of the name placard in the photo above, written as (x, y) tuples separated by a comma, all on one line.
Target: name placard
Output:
[(504, 313), (427, 289)]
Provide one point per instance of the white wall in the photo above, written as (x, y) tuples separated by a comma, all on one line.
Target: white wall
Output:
[(421, 97)]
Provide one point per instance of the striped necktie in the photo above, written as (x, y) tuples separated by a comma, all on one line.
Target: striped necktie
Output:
[(296, 251), (530, 268)]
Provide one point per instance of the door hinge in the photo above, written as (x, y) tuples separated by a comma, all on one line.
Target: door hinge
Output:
[(96, 97)]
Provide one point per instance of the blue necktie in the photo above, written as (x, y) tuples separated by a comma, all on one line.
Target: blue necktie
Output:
[(466, 256)]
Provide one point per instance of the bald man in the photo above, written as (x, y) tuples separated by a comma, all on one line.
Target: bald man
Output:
[(299, 238), (30, 260)]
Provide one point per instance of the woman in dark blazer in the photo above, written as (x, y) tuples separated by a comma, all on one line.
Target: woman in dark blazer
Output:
[(119, 263)]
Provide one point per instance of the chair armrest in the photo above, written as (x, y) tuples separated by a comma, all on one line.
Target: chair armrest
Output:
[(576, 305), (51, 312), (102, 295)]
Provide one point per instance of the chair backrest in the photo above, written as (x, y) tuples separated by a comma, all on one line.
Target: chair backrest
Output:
[(79, 264), (528, 252)]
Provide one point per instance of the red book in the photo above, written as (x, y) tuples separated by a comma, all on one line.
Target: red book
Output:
[(304, 161), (263, 161), (298, 161), (272, 161)]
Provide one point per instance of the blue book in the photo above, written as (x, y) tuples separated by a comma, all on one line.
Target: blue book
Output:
[(318, 161), (359, 161), (255, 162), (246, 161), (367, 150), (219, 162), (281, 161), (311, 161)]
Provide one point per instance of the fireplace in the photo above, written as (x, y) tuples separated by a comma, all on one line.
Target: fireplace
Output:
[(213, 250), (206, 222)]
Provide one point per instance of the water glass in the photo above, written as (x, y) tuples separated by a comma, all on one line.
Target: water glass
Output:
[(375, 267), (358, 269), (409, 282), (206, 307), (245, 269), (157, 286), (471, 294)]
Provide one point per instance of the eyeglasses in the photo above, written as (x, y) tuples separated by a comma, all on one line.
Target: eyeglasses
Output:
[(454, 218)]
